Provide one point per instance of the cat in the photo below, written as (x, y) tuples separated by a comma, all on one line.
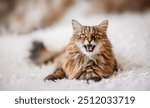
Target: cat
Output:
[(88, 56)]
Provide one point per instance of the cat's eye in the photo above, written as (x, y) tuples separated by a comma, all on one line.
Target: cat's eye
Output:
[(82, 35), (96, 36)]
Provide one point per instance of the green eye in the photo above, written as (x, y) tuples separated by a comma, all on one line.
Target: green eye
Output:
[(82, 35)]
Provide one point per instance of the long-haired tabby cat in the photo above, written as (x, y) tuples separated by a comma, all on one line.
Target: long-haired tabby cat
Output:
[(88, 56)]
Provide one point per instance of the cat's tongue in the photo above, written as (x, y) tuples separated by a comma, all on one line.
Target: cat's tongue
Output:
[(90, 48)]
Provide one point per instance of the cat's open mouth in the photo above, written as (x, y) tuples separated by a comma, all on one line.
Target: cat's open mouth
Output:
[(89, 47)]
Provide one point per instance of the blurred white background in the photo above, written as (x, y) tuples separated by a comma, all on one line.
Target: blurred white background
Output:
[(22, 21)]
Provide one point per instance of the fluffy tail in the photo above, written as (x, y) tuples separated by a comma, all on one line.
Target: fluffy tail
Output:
[(40, 55)]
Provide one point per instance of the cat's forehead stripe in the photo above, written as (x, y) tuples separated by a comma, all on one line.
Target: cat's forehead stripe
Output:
[(89, 30)]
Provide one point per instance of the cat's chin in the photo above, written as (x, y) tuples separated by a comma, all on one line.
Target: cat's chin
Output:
[(89, 52)]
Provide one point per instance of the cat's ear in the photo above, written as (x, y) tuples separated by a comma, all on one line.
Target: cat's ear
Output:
[(76, 26), (103, 25)]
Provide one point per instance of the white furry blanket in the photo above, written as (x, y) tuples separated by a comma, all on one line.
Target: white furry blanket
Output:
[(129, 34)]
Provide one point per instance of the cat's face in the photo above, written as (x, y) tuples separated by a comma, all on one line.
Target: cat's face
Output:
[(89, 39)]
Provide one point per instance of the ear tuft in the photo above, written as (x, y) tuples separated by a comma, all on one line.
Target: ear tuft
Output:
[(76, 25), (104, 24)]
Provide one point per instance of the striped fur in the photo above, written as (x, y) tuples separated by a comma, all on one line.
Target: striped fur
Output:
[(88, 56)]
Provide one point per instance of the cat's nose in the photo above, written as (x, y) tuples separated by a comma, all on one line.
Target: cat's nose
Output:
[(89, 39)]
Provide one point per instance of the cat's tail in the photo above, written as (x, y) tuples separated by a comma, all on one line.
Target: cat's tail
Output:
[(40, 55)]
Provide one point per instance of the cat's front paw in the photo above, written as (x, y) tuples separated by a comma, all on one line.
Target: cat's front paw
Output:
[(50, 77), (96, 79)]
